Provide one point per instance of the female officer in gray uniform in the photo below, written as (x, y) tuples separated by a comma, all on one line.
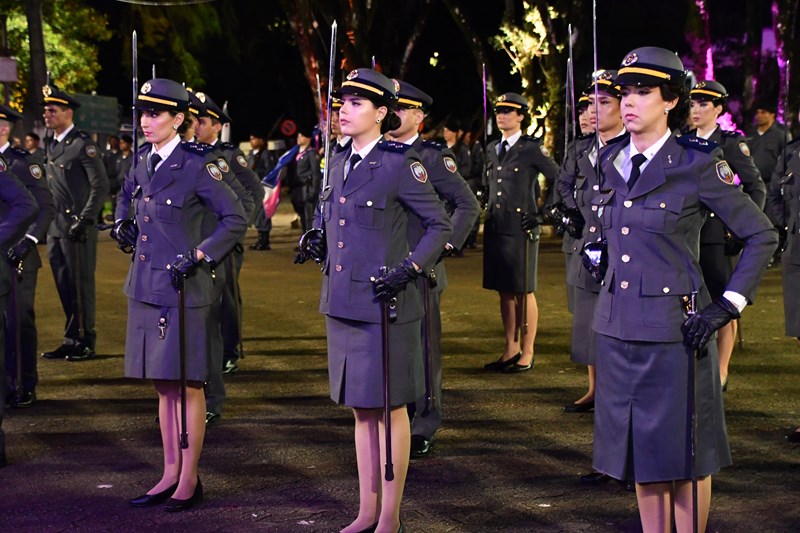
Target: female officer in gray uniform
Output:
[(514, 162), (168, 192), (361, 227), (657, 190), (718, 248), (783, 204)]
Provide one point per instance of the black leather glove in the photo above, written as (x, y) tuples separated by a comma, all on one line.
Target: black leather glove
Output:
[(448, 252), (529, 222), (733, 245), (20, 251), (77, 231), (125, 232), (184, 266), (553, 214), (390, 284), (483, 196), (312, 246), (594, 258), (572, 222), (783, 235), (699, 327)]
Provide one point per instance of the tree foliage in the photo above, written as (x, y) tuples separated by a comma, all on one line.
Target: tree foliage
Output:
[(72, 34)]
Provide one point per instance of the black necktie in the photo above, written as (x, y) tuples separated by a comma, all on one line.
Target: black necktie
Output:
[(503, 149), (354, 159), (154, 160), (636, 161)]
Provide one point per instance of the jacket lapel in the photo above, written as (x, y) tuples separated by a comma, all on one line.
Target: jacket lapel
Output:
[(611, 178), (653, 175), (164, 176), (362, 174)]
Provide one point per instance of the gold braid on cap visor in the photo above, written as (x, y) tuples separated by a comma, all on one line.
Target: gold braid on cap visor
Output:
[(508, 104), (379, 92), (406, 101), (50, 99), (703, 91), (646, 71), (157, 100)]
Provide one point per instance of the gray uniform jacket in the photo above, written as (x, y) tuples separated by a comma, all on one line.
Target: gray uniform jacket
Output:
[(446, 179), (513, 184), (736, 152), (783, 204), (653, 234), (169, 209), (77, 177), (27, 170), (17, 210), (365, 221), (766, 148), (568, 190), (247, 178)]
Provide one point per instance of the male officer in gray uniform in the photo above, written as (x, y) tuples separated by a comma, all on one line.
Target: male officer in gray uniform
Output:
[(24, 253), (17, 211), (77, 177), (440, 162)]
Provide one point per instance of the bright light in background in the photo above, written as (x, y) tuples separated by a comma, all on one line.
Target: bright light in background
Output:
[(434, 60)]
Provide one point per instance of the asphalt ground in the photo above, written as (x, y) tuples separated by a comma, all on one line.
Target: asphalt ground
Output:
[(282, 458)]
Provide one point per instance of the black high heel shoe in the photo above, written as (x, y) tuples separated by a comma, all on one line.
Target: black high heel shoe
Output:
[(175, 506), (501, 365), (149, 500), (370, 529)]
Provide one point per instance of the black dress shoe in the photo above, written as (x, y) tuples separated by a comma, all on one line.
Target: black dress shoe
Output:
[(794, 436), (499, 365), (231, 367), (516, 367), (369, 529), (420, 446), (212, 418), (579, 407), (725, 385), (81, 353), (61, 352), (176, 506), (149, 500), (26, 400), (595, 478)]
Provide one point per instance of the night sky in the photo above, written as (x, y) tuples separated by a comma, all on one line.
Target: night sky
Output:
[(265, 81)]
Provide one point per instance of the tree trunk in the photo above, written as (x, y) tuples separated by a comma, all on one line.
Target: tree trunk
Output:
[(784, 23), (33, 109), (301, 21)]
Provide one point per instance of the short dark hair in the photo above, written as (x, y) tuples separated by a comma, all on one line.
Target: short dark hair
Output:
[(33, 135)]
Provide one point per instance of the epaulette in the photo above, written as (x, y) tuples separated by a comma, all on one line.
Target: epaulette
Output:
[(83, 135), (197, 147), (696, 143), (529, 138), (583, 136), (18, 151), (433, 144), (735, 134), (392, 146), (145, 148), (228, 146), (624, 137)]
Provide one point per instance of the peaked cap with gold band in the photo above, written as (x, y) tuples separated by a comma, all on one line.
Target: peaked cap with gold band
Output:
[(583, 102), (409, 97), (650, 65), (212, 109), (196, 106), (370, 84), (606, 81), (336, 104), (53, 95), (510, 102), (6, 113), (161, 94), (708, 90)]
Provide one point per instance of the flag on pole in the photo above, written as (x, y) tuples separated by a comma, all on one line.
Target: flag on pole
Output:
[(272, 182)]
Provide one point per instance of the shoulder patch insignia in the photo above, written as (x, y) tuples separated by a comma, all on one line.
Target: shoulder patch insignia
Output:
[(214, 171), (241, 160), (450, 163), (91, 150), (223, 165), (544, 150), (419, 172), (36, 171), (744, 148), (725, 173)]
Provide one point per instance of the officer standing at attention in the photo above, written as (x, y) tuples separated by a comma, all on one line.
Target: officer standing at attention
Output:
[(577, 185), (173, 188), (719, 248), (77, 178), (453, 138), (657, 189), (17, 210), (374, 189), (783, 207), (515, 162), (412, 107), (26, 169), (308, 175), (207, 130), (258, 159), (767, 140)]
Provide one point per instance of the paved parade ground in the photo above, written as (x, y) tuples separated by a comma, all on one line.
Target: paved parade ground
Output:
[(281, 459)]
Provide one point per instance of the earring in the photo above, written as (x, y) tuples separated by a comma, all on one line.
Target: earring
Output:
[(377, 121), (666, 111), (175, 127)]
